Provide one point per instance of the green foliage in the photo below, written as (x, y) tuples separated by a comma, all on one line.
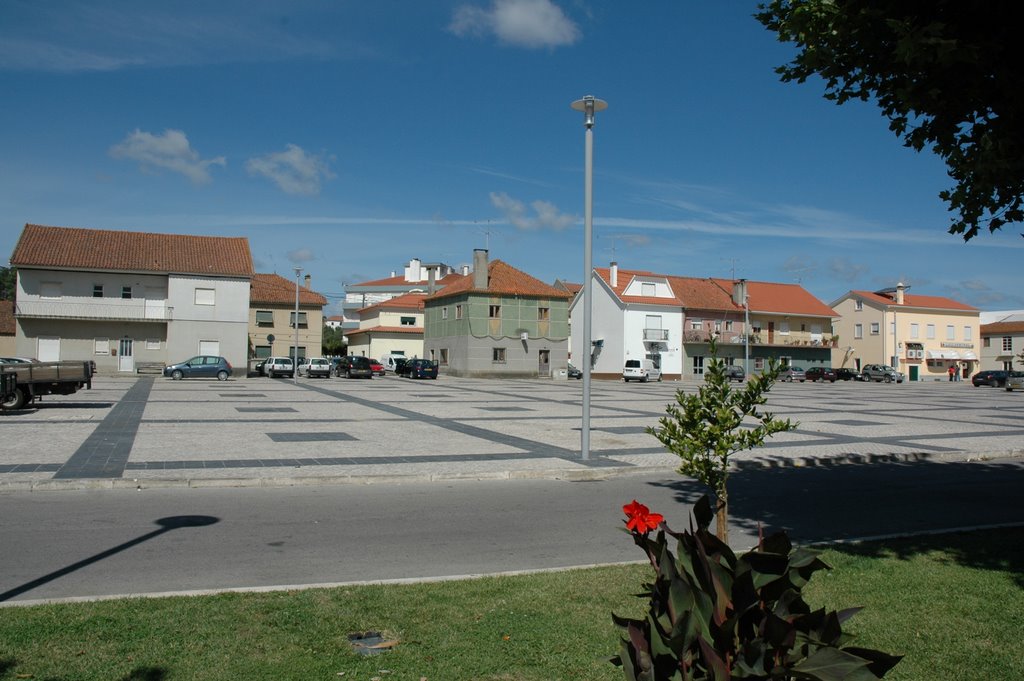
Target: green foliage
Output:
[(714, 616), (942, 72), (8, 282), (333, 342), (705, 429)]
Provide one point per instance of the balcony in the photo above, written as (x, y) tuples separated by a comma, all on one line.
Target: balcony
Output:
[(117, 309), (792, 339), (659, 335)]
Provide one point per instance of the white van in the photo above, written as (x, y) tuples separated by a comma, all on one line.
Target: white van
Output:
[(387, 360), (642, 370)]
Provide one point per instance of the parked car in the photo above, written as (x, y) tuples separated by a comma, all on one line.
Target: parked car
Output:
[(881, 373), (279, 366), (574, 372), (402, 366), (642, 370), (996, 379), (1014, 381), (845, 374), (734, 372), (354, 366), (790, 374), (422, 368), (315, 366), (18, 360), (377, 367), (820, 374), (201, 366)]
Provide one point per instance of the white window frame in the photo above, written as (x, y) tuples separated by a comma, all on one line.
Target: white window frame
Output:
[(930, 331), (205, 296), (101, 346), (875, 328), (783, 328), (648, 289), (915, 330), (858, 330), (444, 312), (967, 332), (499, 355), (152, 343), (858, 305), (950, 332)]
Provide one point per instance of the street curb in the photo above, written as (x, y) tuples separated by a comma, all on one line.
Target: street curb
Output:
[(581, 474)]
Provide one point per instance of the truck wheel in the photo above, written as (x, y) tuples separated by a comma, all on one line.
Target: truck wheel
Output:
[(176, 374), (222, 375), (17, 399)]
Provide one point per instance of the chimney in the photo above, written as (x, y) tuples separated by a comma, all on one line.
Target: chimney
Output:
[(899, 293), (480, 268), (308, 281), (431, 281), (465, 270), (614, 274), (393, 274), (739, 292)]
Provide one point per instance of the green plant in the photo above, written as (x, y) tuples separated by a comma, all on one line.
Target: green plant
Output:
[(705, 429), (713, 616)]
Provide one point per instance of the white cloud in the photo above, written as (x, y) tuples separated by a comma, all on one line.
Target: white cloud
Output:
[(522, 23), (293, 170), (515, 211), (171, 150), (301, 255)]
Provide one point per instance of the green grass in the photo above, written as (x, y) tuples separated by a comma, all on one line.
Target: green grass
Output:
[(952, 604)]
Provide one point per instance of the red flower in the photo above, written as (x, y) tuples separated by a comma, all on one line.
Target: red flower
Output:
[(640, 519)]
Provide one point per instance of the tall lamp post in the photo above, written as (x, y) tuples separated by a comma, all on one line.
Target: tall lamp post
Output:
[(295, 352), (589, 105)]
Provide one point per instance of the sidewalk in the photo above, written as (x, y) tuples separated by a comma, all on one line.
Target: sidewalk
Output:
[(153, 432)]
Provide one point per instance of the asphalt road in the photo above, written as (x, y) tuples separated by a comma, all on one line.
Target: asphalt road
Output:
[(94, 543)]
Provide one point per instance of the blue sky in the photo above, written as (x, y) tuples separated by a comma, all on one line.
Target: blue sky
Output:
[(349, 137)]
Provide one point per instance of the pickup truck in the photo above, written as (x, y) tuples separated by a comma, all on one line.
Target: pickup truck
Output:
[(33, 379)]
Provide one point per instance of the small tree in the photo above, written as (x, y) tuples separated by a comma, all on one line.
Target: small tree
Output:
[(705, 429)]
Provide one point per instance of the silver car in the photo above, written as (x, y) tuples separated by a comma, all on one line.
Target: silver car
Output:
[(1014, 381), (790, 374)]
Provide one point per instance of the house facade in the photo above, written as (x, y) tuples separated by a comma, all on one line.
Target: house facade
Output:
[(272, 318), (391, 327), (123, 299), (1002, 344), (8, 328), (417, 277), (922, 336), (497, 322), (670, 320)]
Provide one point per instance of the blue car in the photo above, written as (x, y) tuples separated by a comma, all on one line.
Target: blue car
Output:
[(201, 366), (422, 368)]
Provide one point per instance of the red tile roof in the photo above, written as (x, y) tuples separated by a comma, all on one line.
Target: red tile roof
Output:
[(399, 280), (781, 298), (997, 328), (386, 329), (7, 323), (623, 279), (99, 249), (413, 301), (502, 279), (913, 300), (273, 289)]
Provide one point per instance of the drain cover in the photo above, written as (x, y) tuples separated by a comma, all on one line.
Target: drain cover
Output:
[(370, 643)]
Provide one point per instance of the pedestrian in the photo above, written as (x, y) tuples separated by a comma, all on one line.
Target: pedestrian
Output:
[(952, 371)]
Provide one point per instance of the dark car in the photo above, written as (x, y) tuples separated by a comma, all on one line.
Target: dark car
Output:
[(996, 379), (734, 372), (848, 375), (202, 366), (354, 366), (820, 374), (422, 368), (574, 372), (402, 366)]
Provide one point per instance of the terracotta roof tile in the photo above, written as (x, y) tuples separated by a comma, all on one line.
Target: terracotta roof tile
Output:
[(767, 296), (273, 289), (404, 301), (399, 280), (913, 300), (7, 323), (502, 279), (99, 249), (1002, 327)]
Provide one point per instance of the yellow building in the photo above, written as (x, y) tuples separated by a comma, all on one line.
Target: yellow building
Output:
[(272, 317), (922, 336)]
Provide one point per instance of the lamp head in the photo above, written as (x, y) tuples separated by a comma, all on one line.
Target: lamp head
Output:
[(589, 105)]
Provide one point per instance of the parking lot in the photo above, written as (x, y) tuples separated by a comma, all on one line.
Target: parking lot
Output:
[(144, 431)]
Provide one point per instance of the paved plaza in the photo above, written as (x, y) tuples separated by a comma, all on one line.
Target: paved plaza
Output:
[(150, 432)]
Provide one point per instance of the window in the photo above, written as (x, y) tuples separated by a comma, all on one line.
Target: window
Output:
[(101, 346), (1007, 366), (444, 356), (930, 330), (950, 332), (49, 289), (299, 357), (126, 292), (498, 355), (408, 321), (718, 326), (152, 343), (264, 318), (648, 290), (262, 351), (967, 333), (494, 312), (874, 328), (209, 347), (915, 330), (759, 363), (1007, 343), (698, 365), (303, 324), (858, 305), (728, 325), (858, 330), (444, 312), (205, 296), (458, 311), (696, 324), (784, 328), (97, 290), (986, 342), (543, 313)]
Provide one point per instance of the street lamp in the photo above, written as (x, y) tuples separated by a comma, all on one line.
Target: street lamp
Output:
[(589, 106), (295, 352)]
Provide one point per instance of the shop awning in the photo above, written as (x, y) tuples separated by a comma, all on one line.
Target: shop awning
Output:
[(969, 355), (943, 354)]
